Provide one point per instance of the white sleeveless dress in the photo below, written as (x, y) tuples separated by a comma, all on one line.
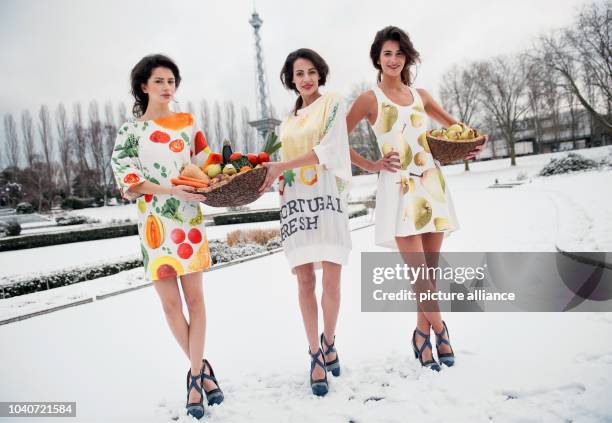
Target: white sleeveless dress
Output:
[(416, 199)]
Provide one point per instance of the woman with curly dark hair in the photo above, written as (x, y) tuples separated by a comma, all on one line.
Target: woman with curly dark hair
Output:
[(150, 150), (414, 208)]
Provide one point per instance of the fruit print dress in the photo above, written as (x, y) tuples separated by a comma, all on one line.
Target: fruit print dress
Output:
[(416, 199), (172, 234), (314, 213)]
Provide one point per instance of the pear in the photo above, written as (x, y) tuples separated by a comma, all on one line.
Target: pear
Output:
[(387, 118), (405, 188), (420, 158), (421, 213), (416, 120), (423, 142), (405, 152), (434, 184), (455, 127), (386, 148), (418, 107), (466, 134), (407, 185), (452, 135), (436, 133), (441, 224)]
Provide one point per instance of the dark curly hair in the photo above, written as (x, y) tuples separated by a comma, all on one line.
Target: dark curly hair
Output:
[(141, 74), (394, 33), (286, 75)]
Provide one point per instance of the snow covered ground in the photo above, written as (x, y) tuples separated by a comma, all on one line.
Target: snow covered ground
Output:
[(117, 359)]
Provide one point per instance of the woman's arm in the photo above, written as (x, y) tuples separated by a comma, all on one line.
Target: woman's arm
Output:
[(365, 106), (436, 112), (182, 192)]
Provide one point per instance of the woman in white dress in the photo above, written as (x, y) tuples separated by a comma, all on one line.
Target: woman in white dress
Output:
[(414, 208), (314, 175), (150, 150)]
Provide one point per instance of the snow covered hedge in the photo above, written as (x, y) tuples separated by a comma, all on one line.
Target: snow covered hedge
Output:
[(219, 252), (573, 162), (55, 238)]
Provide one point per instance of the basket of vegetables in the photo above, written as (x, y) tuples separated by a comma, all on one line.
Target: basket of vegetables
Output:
[(229, 179), (453, 143)]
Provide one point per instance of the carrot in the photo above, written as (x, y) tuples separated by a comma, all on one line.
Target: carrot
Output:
[(189, 178), (193, 181), (179, 181)]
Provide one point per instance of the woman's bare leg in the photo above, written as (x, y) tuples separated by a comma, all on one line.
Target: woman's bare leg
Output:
[(308, 305), (330, 303)]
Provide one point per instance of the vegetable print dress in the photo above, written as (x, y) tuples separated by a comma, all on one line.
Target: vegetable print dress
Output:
[(172, 234), (314, 214), (416, 199)]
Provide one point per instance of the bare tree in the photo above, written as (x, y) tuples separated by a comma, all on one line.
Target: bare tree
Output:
[(27, 127), (246, 131), (459, 94), (205, 116), (46, 141), (80, 144), (535, 93), (218, 128), (502, 88), (582, 55), (109, 135), (190, 108), (12, 141), (230, 126), (65, 147), (122, 113), (96, 144)]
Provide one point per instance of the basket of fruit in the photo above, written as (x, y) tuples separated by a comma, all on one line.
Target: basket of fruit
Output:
[(229, 179), (453, 143)]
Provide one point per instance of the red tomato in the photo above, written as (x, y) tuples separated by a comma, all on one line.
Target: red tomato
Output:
[(185, 251), (195, 236), (131, 178), (235, 156), (148, 198), (252, 159), (263, 157), (177, 235), (159, 136), (177, 145)]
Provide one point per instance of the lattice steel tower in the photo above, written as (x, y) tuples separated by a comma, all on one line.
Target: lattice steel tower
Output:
[(265, 122)]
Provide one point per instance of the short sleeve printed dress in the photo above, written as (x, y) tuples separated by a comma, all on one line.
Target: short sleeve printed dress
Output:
[(416, 199), (172, 233), (314, 214)]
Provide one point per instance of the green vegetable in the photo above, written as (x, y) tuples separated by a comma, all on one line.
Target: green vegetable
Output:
[(170, 210), (239, 163)]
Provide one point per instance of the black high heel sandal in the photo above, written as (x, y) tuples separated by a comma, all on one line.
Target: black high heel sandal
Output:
[(215, 395), (319, 387), (334, 365), (418, 352)]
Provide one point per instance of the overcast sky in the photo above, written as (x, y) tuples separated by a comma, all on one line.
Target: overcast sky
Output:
[(79, 50)]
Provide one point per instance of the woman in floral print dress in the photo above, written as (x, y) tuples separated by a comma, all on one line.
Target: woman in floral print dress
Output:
[(150, 150)]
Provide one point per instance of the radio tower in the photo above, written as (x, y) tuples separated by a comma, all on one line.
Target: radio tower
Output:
[(265, 122)]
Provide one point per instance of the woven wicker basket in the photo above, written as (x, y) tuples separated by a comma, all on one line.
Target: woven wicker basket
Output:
[(446, 151), (241, 189)]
